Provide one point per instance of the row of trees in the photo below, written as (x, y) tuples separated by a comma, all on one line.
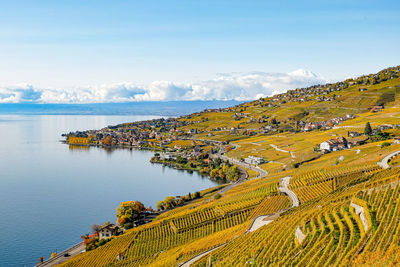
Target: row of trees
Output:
[(215, 168), (225, 171), (171, 202)]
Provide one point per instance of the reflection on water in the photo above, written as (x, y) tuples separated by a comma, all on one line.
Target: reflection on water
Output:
[(50, 193), (78, 148)]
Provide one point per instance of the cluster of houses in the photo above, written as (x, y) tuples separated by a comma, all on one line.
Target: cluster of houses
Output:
[(139, 134), (383, 75), (316, 92), (309, 126), (238, 116), (326, 92)]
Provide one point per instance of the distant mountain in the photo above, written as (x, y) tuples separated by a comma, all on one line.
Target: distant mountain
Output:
[(167, 108), (304, 73)]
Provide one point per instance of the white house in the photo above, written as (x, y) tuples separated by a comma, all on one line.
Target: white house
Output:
[(254, 160), (107, 231), (333, 144)]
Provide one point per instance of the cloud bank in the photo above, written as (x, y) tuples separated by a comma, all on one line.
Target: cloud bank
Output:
[(232, 86)]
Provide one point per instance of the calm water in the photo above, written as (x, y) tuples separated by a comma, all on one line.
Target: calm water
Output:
[(51, 194)]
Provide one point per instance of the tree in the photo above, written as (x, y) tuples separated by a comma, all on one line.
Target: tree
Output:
[(368, 129), (129, 212), (213, 173), (95, 228), (233, 173), (107, 141), (169, 202), (180, 201), (128, 225), (160, 205), (217, 162)]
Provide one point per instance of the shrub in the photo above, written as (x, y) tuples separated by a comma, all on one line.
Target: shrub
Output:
[(90, 246), (217, 196), (196, 195), (102, 242), (128, 226), (385, 144)]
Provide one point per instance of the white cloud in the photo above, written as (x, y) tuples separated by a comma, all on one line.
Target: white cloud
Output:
[(238, 86)]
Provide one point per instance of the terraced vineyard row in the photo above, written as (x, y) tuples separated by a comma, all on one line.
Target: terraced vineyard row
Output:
[(312, 185), (146, 243), (313, 177), (334, 231), (271, 204), (341, 226)]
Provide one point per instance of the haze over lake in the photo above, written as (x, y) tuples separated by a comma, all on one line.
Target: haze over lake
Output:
[(51, 194)]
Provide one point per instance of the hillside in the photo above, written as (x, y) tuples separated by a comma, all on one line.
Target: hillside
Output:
[(303, 205)]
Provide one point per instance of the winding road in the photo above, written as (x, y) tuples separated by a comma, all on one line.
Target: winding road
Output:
[(283, 188), (60, 258), (384, 163)]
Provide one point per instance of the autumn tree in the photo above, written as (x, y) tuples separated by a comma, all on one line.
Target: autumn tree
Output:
[(169, 202), (129, 212), (107, 141), (160, 205)]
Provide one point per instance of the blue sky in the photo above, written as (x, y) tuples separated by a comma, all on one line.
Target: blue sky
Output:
[(74, 44)]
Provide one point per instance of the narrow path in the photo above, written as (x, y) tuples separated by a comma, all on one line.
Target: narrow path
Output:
[(258, 222), (361, 213), (284, 151), (262, 220), (384, 163), (299, 234), (284, 183), (347, 126), (198, 257), (283, 164)]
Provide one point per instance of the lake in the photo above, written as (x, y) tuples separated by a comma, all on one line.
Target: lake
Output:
[(51, 194)]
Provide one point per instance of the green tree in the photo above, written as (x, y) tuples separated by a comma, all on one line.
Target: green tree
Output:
[(368, 129)]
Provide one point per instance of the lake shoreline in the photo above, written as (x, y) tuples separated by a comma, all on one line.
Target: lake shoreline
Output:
[(88, 183)]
